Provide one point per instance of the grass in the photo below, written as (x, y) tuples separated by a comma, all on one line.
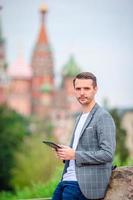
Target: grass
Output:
[(36, 191)]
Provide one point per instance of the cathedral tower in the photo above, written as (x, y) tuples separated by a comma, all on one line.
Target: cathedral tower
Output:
[(19, 94), (43, 76), (69, 71), (2, 45), (3, 77)]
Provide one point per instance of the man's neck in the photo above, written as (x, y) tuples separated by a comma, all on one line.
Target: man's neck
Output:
[(88, 108)]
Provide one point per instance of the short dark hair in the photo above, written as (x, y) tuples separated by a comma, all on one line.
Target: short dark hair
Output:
[(86, 75)]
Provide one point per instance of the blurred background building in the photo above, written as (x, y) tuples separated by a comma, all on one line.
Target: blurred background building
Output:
[(31, 90)]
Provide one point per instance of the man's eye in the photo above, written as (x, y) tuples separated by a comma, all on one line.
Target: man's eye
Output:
[(77, 89)]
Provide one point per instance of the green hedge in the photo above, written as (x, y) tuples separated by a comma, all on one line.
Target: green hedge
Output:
[(36, 191)]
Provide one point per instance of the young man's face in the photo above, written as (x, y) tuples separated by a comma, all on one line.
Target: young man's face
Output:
[(85, 91)]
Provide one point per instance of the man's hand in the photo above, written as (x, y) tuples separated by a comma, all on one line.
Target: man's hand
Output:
[(65, 153)]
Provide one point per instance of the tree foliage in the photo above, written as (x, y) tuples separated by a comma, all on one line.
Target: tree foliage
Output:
[(35, 162), (13, 127), (121, 149)]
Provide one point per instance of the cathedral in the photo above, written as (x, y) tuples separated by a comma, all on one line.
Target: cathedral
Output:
[(30, 90)]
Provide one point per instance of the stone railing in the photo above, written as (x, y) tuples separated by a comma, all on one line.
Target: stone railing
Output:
[(121, 184)]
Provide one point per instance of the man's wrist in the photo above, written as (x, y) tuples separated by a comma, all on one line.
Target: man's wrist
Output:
[(73, 155)]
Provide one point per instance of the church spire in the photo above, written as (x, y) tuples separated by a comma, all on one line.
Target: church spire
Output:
[(42, 34), (71, 68), (2, 46), (1, 37), (43, 72)]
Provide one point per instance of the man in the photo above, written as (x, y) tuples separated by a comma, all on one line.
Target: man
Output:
[(88, 160)]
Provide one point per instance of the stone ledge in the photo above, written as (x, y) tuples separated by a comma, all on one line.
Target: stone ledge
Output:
[(121, 184)]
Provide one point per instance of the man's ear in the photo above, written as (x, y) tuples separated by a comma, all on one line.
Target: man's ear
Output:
[(96, 88)]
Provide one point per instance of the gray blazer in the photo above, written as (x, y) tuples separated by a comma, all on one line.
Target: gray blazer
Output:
[(94, 153)]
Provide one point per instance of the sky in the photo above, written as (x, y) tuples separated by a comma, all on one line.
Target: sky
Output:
[(98, 33)]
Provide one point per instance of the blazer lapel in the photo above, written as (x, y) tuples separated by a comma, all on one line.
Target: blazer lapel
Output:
[(89, 118)]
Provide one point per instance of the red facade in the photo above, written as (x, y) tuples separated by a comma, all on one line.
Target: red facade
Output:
[(31, 89)]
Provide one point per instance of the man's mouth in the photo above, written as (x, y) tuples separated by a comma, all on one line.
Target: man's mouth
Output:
[(82, 98)]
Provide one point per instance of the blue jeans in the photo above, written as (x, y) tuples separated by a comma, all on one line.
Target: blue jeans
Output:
[(68, 190)]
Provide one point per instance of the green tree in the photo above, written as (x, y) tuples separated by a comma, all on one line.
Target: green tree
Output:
[(121, 149), (35, 162), (13, 127)]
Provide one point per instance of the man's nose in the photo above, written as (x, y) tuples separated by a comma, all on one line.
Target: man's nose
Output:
[(82, 91)]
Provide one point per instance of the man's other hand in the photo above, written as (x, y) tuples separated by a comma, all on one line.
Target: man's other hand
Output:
[(65, 153)]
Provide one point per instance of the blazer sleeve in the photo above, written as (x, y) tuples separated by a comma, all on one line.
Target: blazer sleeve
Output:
[(106, 142)]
